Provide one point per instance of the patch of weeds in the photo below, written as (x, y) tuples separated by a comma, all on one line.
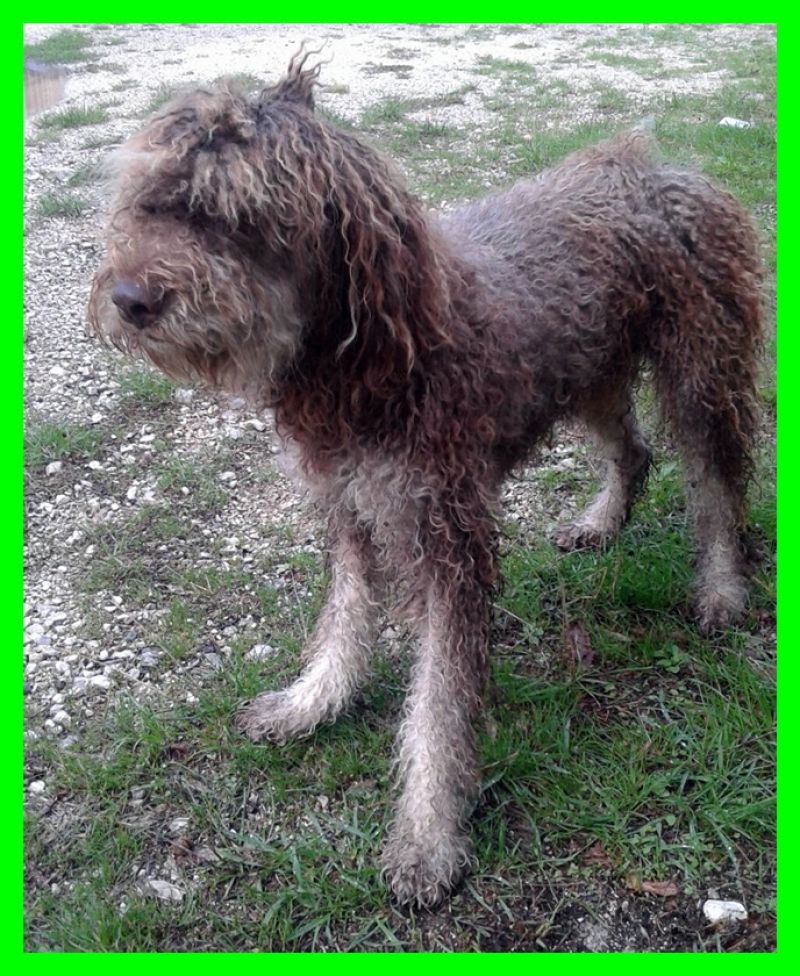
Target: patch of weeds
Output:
[(200, 479), (399, 70), (101, 142), (73, 118), (128, 559), (516, 71), (334, 117), (86, 173), (245, 81), (178, 630), (61, 205), (639, 64), (48, 440), (387, 110), (146, 386), (548, 146), (164, 93), (402, 53), (411, 133), (609, 99), (63, 47)]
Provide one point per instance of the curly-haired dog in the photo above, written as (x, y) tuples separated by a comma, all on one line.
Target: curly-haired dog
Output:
[(413, 361)]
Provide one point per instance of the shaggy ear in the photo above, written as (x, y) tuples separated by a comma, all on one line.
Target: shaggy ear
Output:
[(298, 85)]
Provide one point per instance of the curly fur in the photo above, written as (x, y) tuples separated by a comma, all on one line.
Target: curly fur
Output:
[(412, 361)]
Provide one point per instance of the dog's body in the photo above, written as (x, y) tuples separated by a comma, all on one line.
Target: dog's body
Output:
[(412, 363)]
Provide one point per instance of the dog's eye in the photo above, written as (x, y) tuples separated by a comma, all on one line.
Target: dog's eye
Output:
[(176, 210)]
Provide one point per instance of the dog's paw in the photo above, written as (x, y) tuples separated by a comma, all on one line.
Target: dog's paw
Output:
[(271, 716), (422, 873), (722, 589), (719, 609), (581, 534)]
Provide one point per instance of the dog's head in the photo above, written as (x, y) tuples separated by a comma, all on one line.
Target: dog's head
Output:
[(242, 230)]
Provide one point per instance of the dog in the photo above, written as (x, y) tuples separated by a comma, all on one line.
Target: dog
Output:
[(413, 361)]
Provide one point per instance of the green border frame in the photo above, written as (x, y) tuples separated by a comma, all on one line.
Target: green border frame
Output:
[(11, 484)]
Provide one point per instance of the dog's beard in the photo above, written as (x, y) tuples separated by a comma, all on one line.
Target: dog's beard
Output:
[(191, 343)]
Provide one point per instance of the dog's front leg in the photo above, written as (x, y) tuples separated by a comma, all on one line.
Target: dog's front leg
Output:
[(428, 849), (338, 651)]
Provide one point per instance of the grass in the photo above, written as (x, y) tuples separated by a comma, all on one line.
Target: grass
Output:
[(162, 94), (65, 46), (146, 386), (73, 118), (86, 173), (650, 758), (61, 205), (49, 440)]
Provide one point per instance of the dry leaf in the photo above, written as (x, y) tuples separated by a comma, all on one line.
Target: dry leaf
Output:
[(579, 647), (596, 855), (664, 889)]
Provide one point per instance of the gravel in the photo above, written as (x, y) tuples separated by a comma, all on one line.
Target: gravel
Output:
[(80, 651)]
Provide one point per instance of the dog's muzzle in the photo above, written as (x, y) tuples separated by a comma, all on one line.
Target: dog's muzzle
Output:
[(136, 304)]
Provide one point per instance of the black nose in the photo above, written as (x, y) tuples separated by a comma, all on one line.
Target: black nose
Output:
[(136, 304)]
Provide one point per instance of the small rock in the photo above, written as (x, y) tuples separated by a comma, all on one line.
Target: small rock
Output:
[(260, 652), (53, 467), (731, 123), (99, 682), (37, 787), (179, 825), (227, 476), (162, 889), (62, 718), (184, 395), (721, 912)]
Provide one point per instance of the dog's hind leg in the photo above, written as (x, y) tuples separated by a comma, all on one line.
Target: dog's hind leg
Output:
[(709, 401), (338, 651), (620, 443)]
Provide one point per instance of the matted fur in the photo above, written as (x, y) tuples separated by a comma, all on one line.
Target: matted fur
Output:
[(412, 361)]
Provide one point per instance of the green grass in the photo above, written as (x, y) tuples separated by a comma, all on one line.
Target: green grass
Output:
[(162, 94), (61, 205), (642, 65), (146, 386), (73, 118), (84, 174), (243, 80), (49, 440), (65, 46), (517, 71)]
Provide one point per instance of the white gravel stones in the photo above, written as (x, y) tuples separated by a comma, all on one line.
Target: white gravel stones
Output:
[(260, 652), (164, 890), (724, 912)]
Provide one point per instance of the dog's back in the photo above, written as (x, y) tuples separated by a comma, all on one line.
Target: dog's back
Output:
[(611, 257)]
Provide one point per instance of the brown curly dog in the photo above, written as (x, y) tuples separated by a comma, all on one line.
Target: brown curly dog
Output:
[(412, 361)]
